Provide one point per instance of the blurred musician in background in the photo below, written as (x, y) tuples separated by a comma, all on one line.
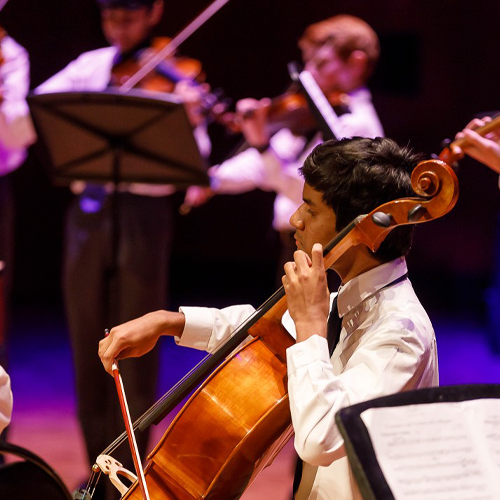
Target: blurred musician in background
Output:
[(16, 134), (341, 53), (146, 224), (5, 399)]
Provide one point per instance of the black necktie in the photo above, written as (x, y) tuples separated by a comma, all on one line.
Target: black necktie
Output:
[(334, 326)]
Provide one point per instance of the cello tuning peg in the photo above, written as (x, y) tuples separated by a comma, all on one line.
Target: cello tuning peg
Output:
[(416, 213), (382, 219)]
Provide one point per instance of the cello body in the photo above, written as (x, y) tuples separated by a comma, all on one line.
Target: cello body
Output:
[(243, 414)]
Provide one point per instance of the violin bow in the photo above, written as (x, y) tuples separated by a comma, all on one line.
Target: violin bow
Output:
[(170, 48), (129, 429), (323, 112)]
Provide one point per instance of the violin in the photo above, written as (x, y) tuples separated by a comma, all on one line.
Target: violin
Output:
[(289, 110), (448, 154), (239, 418), (162, 69), (167, 73)]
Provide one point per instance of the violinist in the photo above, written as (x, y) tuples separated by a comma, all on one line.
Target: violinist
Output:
[(16, 134), (370, 339), (146, 215), (341, 53)]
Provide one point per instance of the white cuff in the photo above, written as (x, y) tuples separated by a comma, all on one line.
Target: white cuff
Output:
[(197, 329), (310, 351)]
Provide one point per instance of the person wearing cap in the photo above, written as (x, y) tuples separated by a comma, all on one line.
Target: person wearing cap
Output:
[(146, 225), (340, 53)]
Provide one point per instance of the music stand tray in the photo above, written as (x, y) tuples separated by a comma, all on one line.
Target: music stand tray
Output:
[(110, 136), (439, 473)]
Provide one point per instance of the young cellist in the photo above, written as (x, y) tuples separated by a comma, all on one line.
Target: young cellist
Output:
[(370, 339)]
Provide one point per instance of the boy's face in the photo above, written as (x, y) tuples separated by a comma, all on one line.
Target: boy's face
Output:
[(314, 221), (127, 28), (328, 69)]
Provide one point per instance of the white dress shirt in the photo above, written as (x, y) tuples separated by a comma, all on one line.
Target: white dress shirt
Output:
[(387, 345), (91, 72), (16, 130), (277, 168), (5, 399)]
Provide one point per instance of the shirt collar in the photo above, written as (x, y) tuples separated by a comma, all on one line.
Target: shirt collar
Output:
[(367, 284)]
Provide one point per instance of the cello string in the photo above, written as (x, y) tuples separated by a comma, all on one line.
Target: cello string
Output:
[(122, 437)]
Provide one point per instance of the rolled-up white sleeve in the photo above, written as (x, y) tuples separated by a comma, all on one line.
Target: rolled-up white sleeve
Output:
[(273, 170), (5, 399), (206, 328)]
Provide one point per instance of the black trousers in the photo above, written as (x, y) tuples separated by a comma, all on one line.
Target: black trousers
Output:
[(100, 293)]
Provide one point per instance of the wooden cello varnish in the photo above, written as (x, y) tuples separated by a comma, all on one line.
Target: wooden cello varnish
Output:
[(242, 417)]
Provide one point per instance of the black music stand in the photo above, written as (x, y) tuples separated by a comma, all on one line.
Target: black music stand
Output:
[(373, 483), (114, 137)]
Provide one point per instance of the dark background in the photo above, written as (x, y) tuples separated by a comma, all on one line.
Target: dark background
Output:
[(438, 69)]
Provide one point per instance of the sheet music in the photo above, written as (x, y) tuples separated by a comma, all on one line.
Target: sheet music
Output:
[(441, 451)]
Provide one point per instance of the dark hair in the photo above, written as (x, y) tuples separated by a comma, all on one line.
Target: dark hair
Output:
[(125, 4), (356, 176)]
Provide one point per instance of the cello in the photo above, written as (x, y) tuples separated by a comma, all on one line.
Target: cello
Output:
[(237, 421)]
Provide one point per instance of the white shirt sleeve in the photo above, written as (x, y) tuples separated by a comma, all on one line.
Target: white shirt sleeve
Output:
[(91, 71), (5, 399), (206, 328), (274, 170), (16, 129)]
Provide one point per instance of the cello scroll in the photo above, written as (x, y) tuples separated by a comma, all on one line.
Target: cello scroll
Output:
[(437, 186)]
